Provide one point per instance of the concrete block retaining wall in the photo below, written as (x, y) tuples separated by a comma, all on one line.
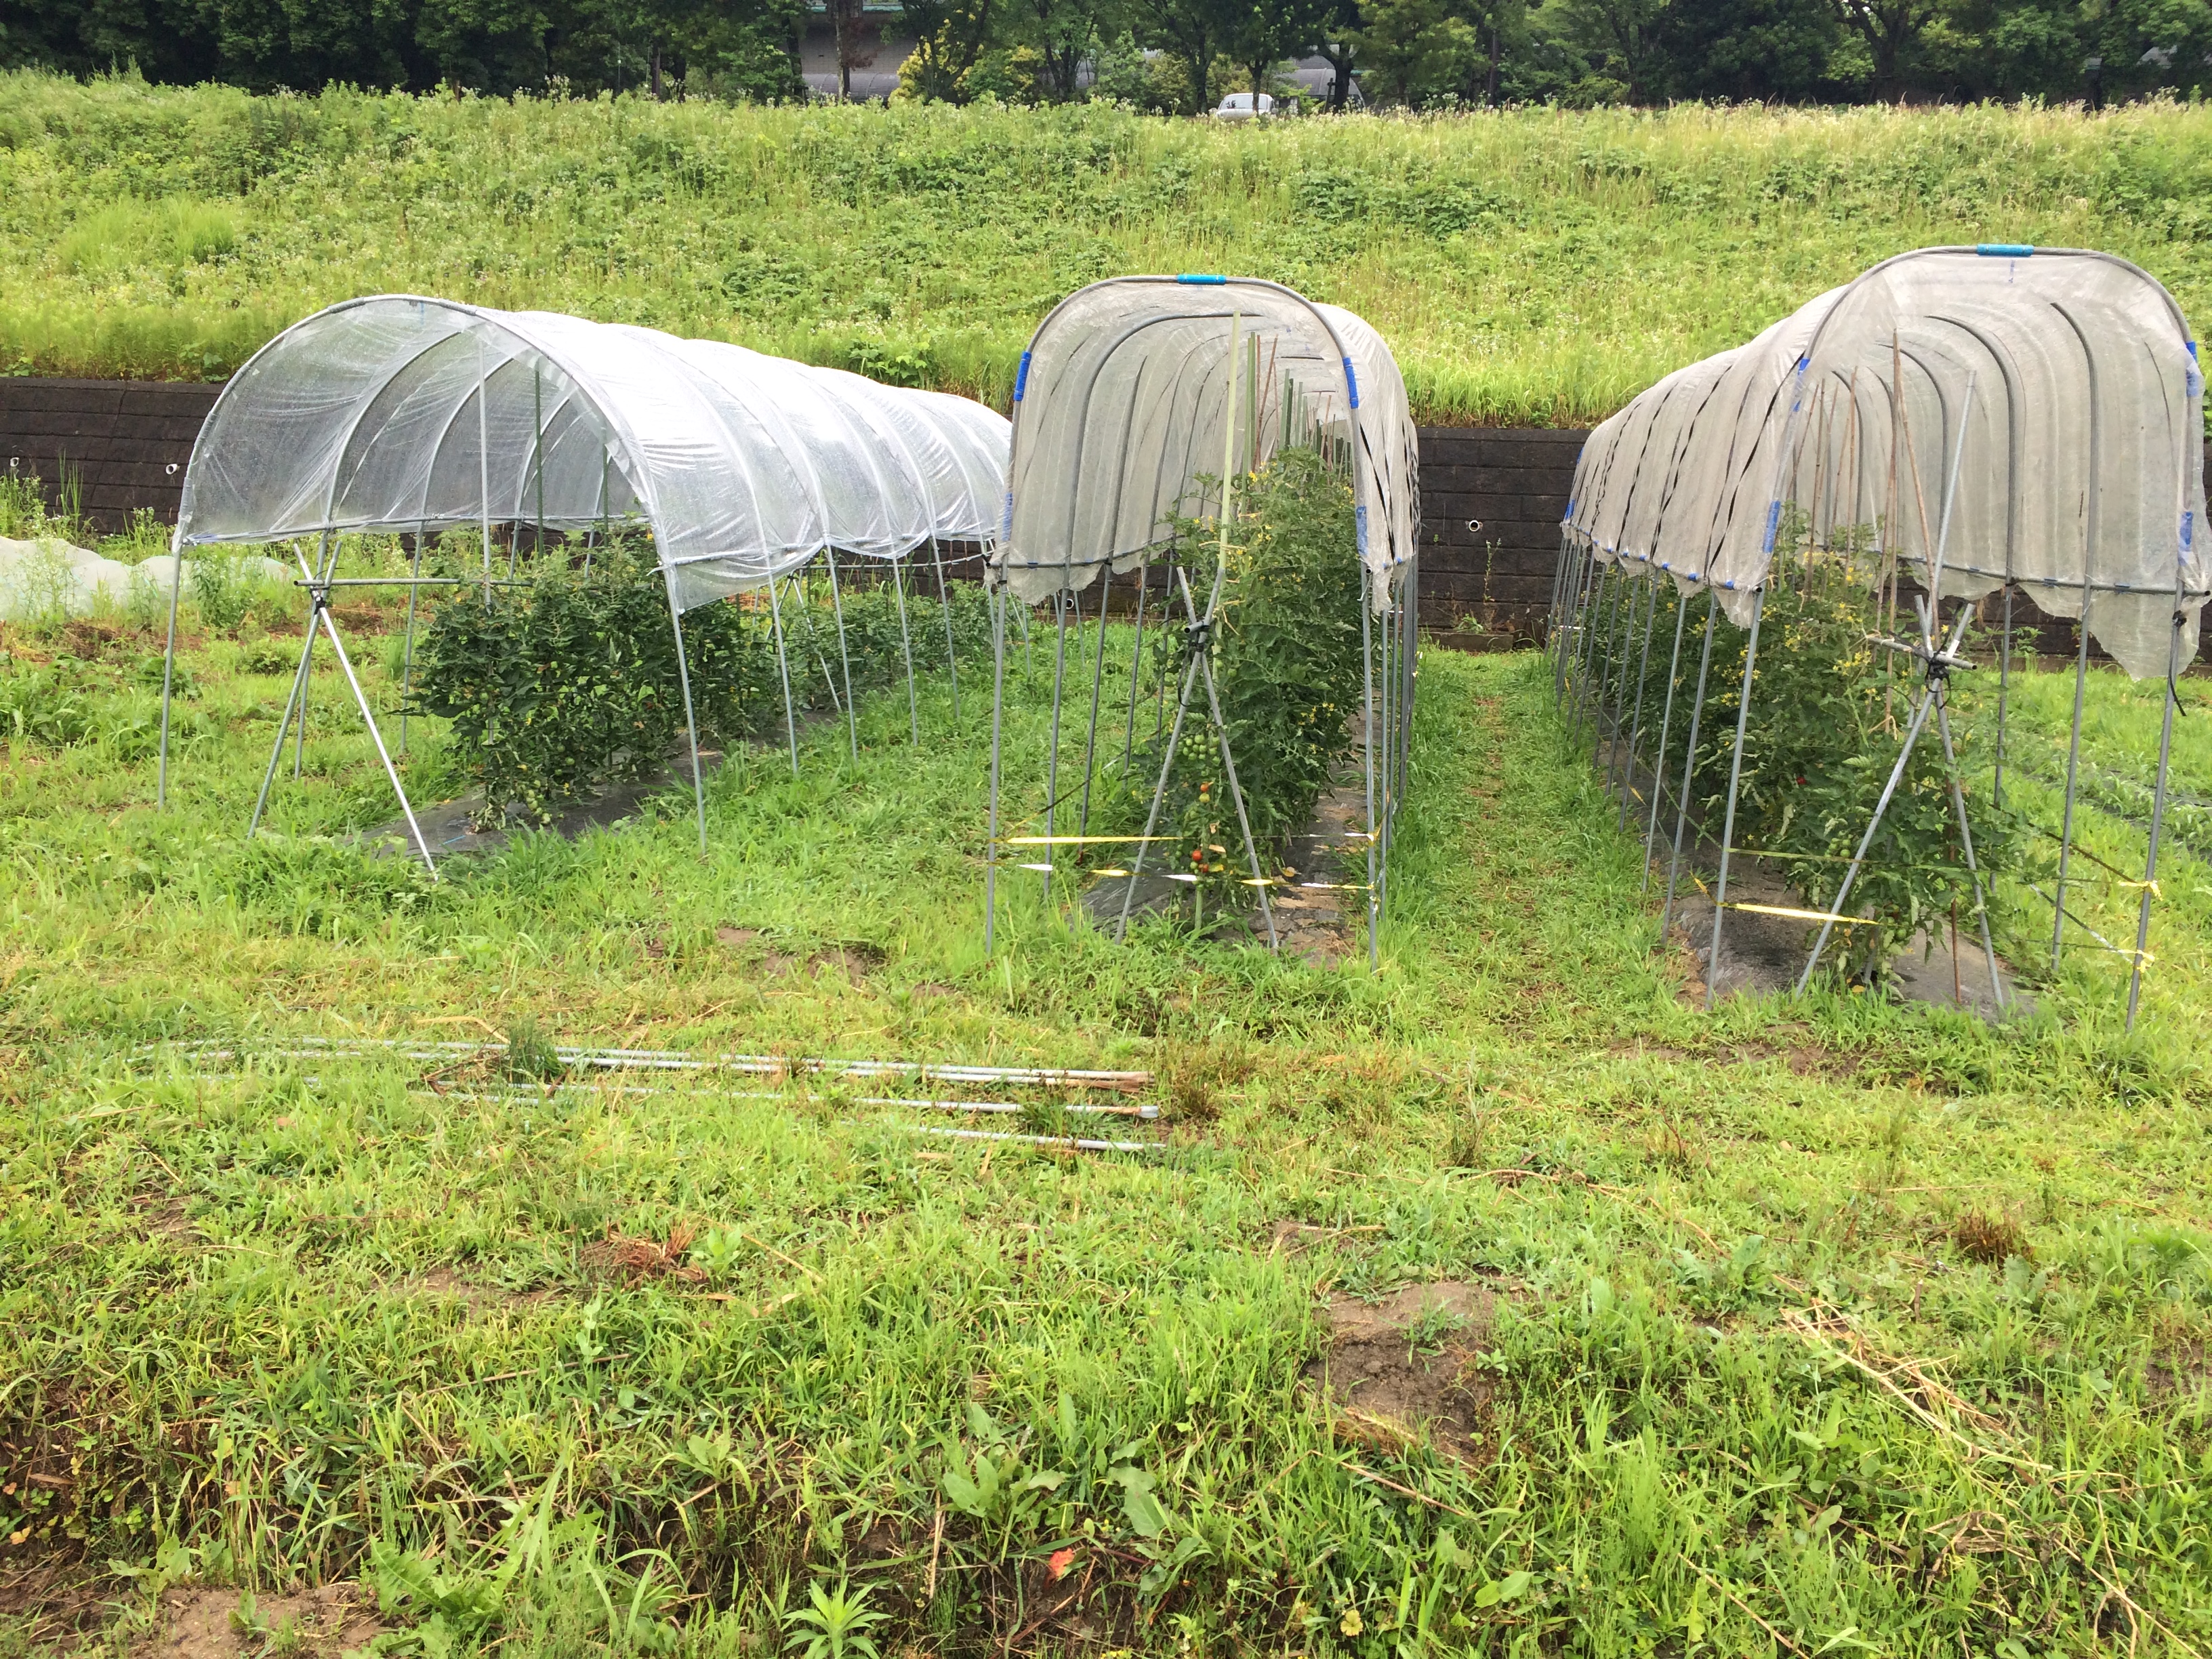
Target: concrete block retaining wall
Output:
[(1492, 497)]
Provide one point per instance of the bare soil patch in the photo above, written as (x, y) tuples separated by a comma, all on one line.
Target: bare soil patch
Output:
[(209, 1623), (443, 1283), (1404, 1367), (857, 961), (49, 1594), (754, 946)]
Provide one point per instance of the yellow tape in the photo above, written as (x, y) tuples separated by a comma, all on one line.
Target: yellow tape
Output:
[(1800, 915), (1079, 841)]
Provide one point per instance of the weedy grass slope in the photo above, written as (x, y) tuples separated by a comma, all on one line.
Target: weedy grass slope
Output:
[(555, 1367), (1532, 266)]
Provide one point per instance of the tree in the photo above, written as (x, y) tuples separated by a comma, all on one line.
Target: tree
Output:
[(1890, 29), (1620, 45), (497, 47), (1063, 33), (949, 36), (1499, 25), (1751, 50), (1268, 31), (1412, 51), (1339, 25), (845, 20), (1196, 32)]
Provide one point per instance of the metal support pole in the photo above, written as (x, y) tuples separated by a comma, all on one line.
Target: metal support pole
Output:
[(1665, 726), (1098, 685), (1367, 669), (1052, 754), (1136, 666), (1689, 768), (906, 646), (1159, 793), (2004, 690), (1928, 696), (1591, 699), (1643, 672), (1567, 581), (1167, 609), (1552, 603), (1568, 626), (951, 656), (168, 675), (2073, 768), (1966, 841), (1736, 776), (345, 664), (1411, 602), (537, 466), (1613, 684), (484, 463), (691, 719), (1228, 768), (783, 668), (997, 598), (2157, 814), (407, 650), (2089, 529), (844, 656), (284, 725), (326, 556)]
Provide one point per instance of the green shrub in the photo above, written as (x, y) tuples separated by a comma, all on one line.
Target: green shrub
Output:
[(46, 706), (1287, 662), (1829, 710), (223, 589), (572, 681)]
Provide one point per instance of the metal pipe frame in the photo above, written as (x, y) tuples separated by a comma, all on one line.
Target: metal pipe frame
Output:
[(1735, 777), (1666, 723), (997, 599), (844, 656), (1643, 672)]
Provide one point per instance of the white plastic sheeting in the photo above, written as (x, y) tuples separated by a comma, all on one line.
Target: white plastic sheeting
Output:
[(1119, 410), (400, 413), (2046, 403)]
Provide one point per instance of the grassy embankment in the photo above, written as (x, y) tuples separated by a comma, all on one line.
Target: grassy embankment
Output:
[(1874, 1328), (1537, 266)]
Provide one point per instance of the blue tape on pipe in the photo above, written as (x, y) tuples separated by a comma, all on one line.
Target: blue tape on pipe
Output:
[(1773, 520), (1214, 282), (1022, 378), (1351, 382), (2004, 250), (2188, 531)]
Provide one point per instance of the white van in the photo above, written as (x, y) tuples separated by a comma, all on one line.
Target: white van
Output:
[(1237, 107)]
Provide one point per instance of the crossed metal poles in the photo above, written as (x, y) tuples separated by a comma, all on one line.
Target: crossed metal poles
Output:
[(1198, 636), (1389, 667), (318, 582)]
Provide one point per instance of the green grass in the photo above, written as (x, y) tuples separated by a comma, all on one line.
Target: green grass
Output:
[(258, 1329), (1535, 266)]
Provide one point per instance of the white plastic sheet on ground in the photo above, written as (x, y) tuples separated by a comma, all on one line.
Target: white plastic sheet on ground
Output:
[(2060, 386), (399, 413), (47, 578), (1119, 413)]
